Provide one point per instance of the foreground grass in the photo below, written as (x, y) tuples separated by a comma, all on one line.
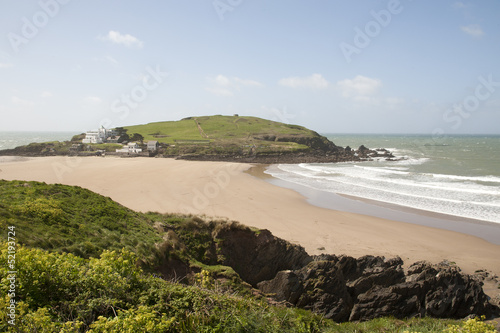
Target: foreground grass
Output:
[(74, 220), (424, 325), (59, 292), (65, 293)]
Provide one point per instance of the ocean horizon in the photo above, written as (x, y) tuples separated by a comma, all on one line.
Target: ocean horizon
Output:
[(12, 139)]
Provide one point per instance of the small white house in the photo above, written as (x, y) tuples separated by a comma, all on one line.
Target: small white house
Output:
[(98, 136), (130, 148), (153, 146)]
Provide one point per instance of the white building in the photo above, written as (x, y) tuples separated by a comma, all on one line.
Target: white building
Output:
[(153, 146), (131, 148), (99, 136)]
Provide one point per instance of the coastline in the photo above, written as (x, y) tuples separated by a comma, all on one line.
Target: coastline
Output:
[(229, 190), (489, 231)]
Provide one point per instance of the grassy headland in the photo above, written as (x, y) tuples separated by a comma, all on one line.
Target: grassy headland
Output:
[(231, 136)]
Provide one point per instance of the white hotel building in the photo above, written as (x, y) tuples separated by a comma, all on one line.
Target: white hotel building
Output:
[(99, 136)]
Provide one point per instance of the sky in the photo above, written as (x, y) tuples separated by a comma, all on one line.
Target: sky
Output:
[(334, 66)]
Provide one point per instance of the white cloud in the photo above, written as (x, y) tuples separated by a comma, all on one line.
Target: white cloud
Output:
[(126, 40), (225, 86), (46, 94), (21, 102), (315, 81), (277, 114), (221, 80), (243, 82), (473, 30), (6, 65), (360, 87)]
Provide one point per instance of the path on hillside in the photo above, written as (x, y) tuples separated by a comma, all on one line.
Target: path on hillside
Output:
[(202, 133)]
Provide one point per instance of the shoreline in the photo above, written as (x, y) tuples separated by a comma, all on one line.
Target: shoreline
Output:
[(489, 231), (231, 191)]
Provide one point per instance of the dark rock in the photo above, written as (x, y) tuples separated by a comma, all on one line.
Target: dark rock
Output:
[(286, 286), (344, 288), (258, 256), (430, 290)]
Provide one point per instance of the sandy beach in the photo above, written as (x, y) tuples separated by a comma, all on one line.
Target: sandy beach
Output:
[(225, 190)]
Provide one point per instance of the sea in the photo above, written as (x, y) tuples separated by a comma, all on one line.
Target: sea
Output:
[(10, 140), (453, 175)]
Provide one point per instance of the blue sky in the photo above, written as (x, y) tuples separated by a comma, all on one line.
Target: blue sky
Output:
[(333, 66)]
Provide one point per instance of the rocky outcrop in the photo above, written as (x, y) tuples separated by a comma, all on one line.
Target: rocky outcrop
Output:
[(344, 288), (324, 151), (429, 290), (340, 288), (257, 255)]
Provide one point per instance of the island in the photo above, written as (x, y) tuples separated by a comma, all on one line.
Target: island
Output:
[(210, 138)]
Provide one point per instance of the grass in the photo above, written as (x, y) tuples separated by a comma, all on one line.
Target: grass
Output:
[(108, 147), (72, 219), (224, 134), (421, 325)]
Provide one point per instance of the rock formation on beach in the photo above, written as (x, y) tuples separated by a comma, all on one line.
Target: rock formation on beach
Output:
[(348, 289), (343, 288)]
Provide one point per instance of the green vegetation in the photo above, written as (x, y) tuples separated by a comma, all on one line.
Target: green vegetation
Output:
[(416, 325), (45, 148), (65, 293), (74, 220), (226, 135), (86, 263), (108, 147), (111, 294)]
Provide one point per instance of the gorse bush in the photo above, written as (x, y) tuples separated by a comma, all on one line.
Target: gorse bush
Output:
[(47, 210), (473, 325)]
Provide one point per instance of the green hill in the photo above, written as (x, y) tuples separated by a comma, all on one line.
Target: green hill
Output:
[(229, 136), (235, 138), (219, 129)]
